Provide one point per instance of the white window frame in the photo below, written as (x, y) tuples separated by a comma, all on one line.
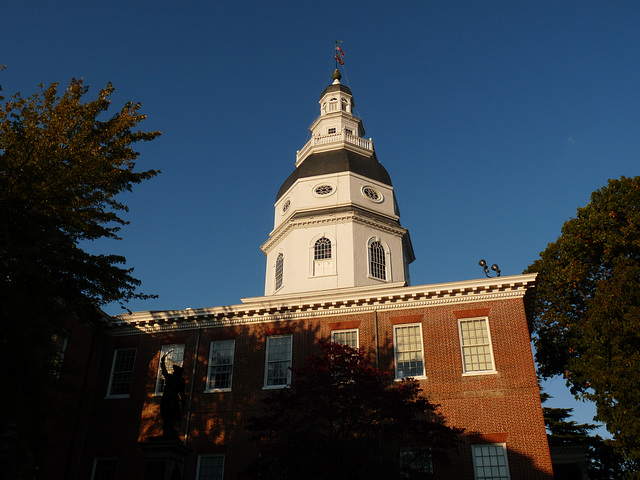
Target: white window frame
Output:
[(322, 249), (478, 466), (268, 362), (396, 350), (103, 459), (113, 372), (279, 272), (465, 371), (212, 366), (322, 267), (176, 357), (335, 333), (200, 457), (387, 260)]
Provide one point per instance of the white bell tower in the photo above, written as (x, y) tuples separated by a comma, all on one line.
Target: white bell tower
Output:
[(336, 224)]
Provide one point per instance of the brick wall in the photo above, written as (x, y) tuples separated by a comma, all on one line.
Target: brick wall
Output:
[(502, 406)]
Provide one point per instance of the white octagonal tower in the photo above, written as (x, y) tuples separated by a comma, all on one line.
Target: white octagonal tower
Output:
[(337, 224)]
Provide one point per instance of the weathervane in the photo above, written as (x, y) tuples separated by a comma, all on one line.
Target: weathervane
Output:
[(494, 267), (339, 54)]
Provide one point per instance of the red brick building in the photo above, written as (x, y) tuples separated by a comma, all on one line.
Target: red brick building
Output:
[(337, 269)]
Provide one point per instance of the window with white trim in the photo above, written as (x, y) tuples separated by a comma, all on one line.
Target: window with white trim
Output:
[(407, 346), (220, 365), (475, 344), (210, 467), (345, 337), (175, 357), (278, 361), (377, 261), (124, 360), (490, 462), (322, 257), (331, 130), (322, 249), (279, 270), (415, 460), (104, 469)]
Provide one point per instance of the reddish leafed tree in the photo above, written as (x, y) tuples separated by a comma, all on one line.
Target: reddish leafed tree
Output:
[(344, 418)]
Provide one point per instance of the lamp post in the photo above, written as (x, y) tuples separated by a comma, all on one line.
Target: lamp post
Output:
[(494, 267)]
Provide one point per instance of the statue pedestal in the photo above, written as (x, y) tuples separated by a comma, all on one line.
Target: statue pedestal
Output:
[(163, 459)]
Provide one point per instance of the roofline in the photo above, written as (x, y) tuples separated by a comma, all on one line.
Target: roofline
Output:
[(328, 302)]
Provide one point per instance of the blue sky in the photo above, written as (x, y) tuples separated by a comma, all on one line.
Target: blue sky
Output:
[(495, 120)]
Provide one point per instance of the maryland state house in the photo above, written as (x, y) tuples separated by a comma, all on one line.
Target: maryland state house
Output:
[(337, 269)]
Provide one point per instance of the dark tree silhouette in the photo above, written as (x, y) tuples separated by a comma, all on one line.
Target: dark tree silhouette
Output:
[(344, 418), (63, 162)]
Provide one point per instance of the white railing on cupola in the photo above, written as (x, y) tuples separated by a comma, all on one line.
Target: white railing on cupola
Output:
[(333, 140)]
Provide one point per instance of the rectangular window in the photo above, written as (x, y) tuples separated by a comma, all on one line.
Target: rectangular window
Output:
[(415, 462), (408, 351), (104, 469), (210, 467), (220, 365), (490, 462), (345, 337), (331, 130), (121, 372), (475, 343), (278, 361), (175, 357)]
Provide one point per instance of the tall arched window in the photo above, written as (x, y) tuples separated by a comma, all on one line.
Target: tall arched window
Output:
[(322, 249), (377, 261), (279, 270)]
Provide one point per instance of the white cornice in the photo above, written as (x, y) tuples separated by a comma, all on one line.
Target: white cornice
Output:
[(321, 218), (324, 303)]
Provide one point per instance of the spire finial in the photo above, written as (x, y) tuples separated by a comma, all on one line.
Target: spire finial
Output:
[(336, 76)]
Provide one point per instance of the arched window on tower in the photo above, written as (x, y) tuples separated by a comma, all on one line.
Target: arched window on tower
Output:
[(279, 270), (322, 254), (333, 105), (322, 249), (377, 260)]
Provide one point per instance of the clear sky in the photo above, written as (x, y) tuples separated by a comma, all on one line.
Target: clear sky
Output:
[(495, 120)]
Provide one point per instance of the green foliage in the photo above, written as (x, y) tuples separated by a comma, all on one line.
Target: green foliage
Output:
[(344, 418), (63, 163), (587, 324)]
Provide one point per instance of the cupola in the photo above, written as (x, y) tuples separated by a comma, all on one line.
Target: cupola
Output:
[(336, 223)]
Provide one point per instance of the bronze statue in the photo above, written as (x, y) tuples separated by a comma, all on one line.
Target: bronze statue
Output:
[(172, 399)]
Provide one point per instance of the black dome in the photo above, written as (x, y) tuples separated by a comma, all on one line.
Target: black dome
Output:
[(336, 161)]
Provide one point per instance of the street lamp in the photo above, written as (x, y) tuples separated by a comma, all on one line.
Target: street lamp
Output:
[(494, 267)]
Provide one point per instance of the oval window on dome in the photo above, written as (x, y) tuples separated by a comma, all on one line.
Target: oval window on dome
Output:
[(372, 194), (323, 190)]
